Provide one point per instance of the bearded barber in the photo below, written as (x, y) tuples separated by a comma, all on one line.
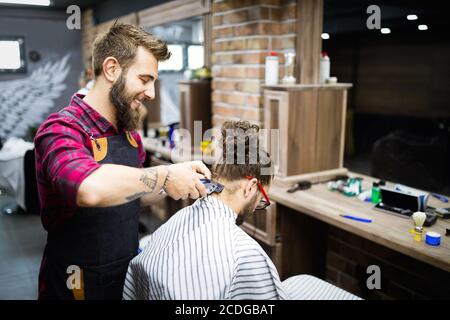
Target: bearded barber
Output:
[(90, 177)]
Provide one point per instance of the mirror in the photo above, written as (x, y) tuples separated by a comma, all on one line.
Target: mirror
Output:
[(185, 39)]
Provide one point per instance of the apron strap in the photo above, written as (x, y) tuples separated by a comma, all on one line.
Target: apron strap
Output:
[(82, 125)]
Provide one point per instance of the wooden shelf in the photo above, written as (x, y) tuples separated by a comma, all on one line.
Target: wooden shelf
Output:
[(299, 87)]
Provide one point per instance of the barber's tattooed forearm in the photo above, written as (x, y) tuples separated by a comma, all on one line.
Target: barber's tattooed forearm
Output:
[(136, 196), (150, 179), (168, 177)]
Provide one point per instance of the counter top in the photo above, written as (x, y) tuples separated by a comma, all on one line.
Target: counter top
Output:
[(386, 229)]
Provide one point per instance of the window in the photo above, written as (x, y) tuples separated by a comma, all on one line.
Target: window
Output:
[(175, 63), (195, 57), (12, 50)]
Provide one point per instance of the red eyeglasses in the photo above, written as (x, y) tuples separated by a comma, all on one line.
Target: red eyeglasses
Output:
[(265, 202)]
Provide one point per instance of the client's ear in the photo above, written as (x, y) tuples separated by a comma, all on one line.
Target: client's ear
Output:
[(251, 186)]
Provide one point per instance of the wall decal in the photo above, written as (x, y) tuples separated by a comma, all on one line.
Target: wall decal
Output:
[(26, 102)]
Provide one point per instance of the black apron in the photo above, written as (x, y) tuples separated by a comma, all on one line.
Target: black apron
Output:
[(98, 243)]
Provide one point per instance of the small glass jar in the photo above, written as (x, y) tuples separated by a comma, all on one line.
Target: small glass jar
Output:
[(289, 63)]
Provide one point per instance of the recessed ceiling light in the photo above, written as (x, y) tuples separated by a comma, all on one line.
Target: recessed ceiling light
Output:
[(27, 2), (422, 27), (325, 36), (412, 17), (385, 30)]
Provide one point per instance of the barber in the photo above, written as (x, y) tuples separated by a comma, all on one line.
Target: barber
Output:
[(91, 180)]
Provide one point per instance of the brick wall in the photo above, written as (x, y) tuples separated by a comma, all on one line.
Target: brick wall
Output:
[(402, 277), (88, 32), (243, 33)]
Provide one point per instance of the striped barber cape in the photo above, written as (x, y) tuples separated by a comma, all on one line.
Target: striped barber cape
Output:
[(200, 253)]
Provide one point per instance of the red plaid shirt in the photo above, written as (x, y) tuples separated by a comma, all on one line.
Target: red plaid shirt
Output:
[(64, 158)]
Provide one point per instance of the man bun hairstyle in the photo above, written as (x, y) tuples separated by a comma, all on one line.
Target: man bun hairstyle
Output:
[(239, 154)]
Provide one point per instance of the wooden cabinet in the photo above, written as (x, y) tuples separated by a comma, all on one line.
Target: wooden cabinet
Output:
[(195, 105), (262, 225), (311, 125)]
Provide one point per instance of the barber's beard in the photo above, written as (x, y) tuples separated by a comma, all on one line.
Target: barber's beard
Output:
[(127, 118)]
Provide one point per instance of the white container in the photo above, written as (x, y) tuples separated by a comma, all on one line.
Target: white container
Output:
[(188, 74), (331, 80), (272, 69), (324, 67)]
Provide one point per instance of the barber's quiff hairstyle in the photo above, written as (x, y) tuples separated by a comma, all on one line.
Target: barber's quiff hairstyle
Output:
[(121, 42), (241, 140)]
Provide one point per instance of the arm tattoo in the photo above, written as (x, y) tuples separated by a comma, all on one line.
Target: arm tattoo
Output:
[(136, 196), (150, 179), (166, 179)]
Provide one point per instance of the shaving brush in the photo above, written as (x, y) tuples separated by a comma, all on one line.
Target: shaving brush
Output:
[(419, 218)]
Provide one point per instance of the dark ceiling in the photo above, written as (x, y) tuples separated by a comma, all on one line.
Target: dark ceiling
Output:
[(340, 16), (104, 10), (62, 4)]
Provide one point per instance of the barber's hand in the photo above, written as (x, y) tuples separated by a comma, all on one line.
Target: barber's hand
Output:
[(183, 180)]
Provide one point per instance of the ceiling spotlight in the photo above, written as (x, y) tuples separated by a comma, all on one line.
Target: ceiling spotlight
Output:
[(325, 36), (422, 27), (27, 2), (412, 17), (385, 30)]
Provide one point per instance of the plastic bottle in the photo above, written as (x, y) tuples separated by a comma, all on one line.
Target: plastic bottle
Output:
[(272, 69), (324, 67), (376, 193)]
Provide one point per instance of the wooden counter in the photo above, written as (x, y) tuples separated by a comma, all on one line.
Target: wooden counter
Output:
[(386, 229)]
